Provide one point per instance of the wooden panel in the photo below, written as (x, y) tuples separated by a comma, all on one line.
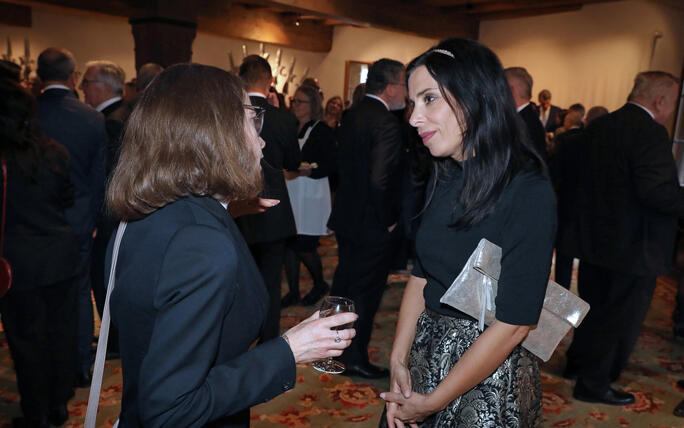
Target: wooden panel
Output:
[(15, 14)]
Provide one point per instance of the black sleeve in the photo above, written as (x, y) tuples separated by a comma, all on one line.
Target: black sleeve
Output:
[(527, 248), (179, 385), (655, 173), (385, 169), (326, 158)]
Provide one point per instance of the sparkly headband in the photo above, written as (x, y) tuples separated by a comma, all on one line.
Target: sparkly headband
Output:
[(444, 52)]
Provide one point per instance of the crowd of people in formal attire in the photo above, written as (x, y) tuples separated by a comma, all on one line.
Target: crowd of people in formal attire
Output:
[(219, 184)]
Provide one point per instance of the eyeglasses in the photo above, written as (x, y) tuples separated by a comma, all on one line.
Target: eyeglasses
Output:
[(258, 119), (296, 102)]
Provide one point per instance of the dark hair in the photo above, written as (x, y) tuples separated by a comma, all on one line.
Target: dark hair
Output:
[(315, 103), (21, 139), (359, 93), (381, 73), (55, 64), (146, 74), (472, 81), (595, 112), (579, 108), (186, 135), (255, 70), (10, 71)]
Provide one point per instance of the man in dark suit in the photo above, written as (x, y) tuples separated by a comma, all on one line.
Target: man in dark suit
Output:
[(82, 131), (266, 232), (520, 82), (548, 113), (103, 85), (367, 203), (628, 201)]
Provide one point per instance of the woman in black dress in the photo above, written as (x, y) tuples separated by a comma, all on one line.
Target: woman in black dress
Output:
[(38, 311), (488, 182), (309, 192)]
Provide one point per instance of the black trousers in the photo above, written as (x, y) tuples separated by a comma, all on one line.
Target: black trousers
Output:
[(361, 275), (563, 269), (604, 341), (40, 325), (269, 257)]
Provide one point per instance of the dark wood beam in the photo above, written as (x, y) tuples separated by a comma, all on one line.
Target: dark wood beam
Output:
[(15, 15), (522, 5), (263, 25), (404, 17)]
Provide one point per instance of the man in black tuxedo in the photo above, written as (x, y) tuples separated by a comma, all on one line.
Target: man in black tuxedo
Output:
[(81, 130), (103, 85), (520, 82), (628, 199), (266, 232), (367, 203), (548, 113)]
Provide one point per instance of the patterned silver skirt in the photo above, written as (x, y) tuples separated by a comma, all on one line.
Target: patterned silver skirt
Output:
[(510, 397)]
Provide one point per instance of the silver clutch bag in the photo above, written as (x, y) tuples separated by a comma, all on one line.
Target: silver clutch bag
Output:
[(474, 292)]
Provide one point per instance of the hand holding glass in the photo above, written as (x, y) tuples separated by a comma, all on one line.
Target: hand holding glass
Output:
[(332, 305)]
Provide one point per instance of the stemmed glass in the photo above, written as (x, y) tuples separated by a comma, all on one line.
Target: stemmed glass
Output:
[(330, 306)]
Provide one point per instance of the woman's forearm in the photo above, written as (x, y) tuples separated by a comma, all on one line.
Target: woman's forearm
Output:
[(412, 305), (483, 357)]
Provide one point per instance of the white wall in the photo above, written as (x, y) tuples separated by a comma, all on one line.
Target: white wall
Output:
[(591, 55)]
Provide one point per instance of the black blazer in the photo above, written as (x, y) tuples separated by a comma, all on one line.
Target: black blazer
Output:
[(552, 121), (39, 242), (81, 130), (320, 147), (188, 302), (535, 129), (371, 161), (281, 152), (628, 194)]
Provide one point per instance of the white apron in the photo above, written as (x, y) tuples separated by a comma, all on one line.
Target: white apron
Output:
[(310, 200)]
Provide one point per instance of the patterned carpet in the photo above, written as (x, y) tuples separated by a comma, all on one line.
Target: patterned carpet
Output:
[(328, 401)]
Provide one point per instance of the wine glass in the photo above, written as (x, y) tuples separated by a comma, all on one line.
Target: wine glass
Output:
[(330, 306)]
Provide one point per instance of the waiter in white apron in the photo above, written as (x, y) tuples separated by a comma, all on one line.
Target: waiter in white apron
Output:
[(309, 191)]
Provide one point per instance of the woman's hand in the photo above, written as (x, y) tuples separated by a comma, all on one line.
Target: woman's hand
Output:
[(400, 382), (409, 410), (242, 207), (313, 339)]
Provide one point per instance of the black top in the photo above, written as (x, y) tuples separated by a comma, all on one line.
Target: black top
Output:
[(319, 148), (523, 224)]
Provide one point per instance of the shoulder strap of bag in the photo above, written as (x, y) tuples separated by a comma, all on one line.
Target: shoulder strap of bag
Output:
[(4, 202), (98, 370)]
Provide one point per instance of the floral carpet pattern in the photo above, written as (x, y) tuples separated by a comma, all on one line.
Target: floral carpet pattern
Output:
[(327, 401)]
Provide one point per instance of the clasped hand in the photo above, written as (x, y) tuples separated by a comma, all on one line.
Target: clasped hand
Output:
[(403, 405), (313, 339)]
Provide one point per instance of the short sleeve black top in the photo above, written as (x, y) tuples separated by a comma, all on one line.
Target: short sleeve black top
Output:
[(523, 224)]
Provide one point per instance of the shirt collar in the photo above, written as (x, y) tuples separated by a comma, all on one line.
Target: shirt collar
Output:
[(256, 94), (55, 86), (105, 104), (379, 99), (523, 106), (644, 108)]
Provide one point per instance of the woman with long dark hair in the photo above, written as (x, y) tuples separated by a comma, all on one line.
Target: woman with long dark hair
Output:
[(38, 311), (488, 182)]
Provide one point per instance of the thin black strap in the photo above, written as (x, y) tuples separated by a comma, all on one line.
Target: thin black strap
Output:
[(4, 202)]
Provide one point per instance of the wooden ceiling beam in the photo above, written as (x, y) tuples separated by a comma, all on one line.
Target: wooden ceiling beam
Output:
[(262, 25), (522, 5), (408, 18)]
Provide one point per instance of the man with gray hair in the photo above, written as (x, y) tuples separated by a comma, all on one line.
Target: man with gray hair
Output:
[(520, 82), (82, 131), (628, 200), (367, 203), (103, 84)]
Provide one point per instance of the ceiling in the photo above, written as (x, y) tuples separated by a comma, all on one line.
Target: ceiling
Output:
[(308, 24)]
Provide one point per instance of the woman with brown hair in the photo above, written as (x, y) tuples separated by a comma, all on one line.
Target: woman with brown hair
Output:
[(333, 112), (188, 299)]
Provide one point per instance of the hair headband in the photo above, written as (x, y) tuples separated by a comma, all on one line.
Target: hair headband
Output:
[(444, 52)]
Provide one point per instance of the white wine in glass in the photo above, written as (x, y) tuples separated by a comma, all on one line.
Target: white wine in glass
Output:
[(330, 306)]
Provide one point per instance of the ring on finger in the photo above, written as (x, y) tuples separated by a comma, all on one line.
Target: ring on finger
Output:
[(337, 337)]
